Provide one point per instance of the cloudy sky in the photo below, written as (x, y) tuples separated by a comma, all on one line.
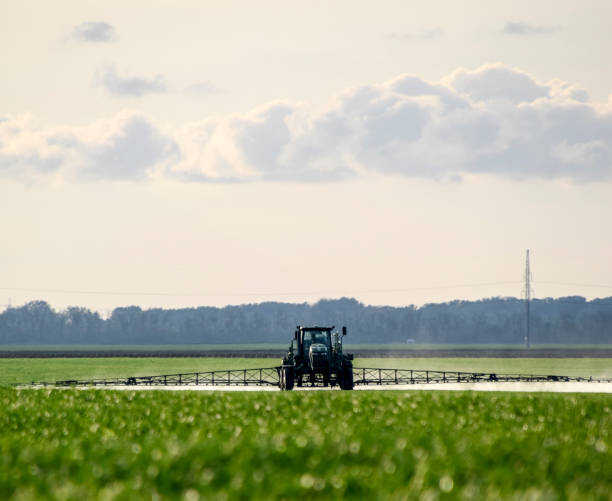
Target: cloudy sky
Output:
[(207, 153)]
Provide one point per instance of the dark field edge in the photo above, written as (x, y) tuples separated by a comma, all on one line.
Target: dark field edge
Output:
[(281, 346), (276, 353)]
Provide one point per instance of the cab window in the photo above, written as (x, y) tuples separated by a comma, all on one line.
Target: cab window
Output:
[(321, 337)]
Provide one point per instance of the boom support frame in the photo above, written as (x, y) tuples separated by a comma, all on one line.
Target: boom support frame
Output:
[(363, 376)]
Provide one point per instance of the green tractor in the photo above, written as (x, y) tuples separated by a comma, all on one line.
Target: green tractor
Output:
[(315, 357)]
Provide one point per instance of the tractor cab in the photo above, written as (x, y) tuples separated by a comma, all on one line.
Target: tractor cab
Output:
[(316, 346), (311, 337)]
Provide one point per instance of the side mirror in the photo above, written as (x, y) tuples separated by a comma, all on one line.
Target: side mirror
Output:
[(344, 330)]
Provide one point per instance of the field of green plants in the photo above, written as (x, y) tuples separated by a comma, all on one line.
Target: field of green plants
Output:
[(25, 370), (97, 444)]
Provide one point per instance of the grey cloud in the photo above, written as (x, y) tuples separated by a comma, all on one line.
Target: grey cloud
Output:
[(136, 146), (520, 28), (29, 165), (414, 86), (579, 95), (130, 86), (571, 141), (365, 130), (263, 137), (94, 31)]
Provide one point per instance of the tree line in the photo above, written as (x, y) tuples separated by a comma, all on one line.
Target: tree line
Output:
[(494, 320)]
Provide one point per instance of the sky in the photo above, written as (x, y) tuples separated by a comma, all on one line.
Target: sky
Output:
[(187, 153)]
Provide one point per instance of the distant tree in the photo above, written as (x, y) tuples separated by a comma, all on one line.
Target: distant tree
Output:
[(494, 320)]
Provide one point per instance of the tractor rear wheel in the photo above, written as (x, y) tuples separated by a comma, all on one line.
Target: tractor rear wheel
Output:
[(287, 378), (346, 378)]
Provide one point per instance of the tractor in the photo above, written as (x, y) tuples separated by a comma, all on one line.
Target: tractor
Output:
[(315, 357)]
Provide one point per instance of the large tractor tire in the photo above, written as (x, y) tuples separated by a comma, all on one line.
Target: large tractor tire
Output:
[(346, 378), (286, 378)]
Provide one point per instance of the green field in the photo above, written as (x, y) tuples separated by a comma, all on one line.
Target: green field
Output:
[(140, 347), (20, 370), (96, 444), (557, 366), (25, 370)]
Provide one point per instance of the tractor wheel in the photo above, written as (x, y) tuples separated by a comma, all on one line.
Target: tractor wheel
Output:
[(287, 378), (281, 379), (346, 379)]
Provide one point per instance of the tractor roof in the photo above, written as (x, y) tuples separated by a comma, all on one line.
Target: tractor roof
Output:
[(315, 328)]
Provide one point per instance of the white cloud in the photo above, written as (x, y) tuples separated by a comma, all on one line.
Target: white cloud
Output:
[(129, 146), (24, 150), (497, 82), (94, 31), (130, 86), (494, 120)]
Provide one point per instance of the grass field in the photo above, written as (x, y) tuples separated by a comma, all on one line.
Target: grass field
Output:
[(140, 347), (18, 370), (24, 370), (560, 366), (94, 444)]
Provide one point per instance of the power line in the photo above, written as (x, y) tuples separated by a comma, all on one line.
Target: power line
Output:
[(318, 293), (284, 293), (574, 284)]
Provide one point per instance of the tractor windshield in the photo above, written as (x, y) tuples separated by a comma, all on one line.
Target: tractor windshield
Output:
[(319, 337)]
